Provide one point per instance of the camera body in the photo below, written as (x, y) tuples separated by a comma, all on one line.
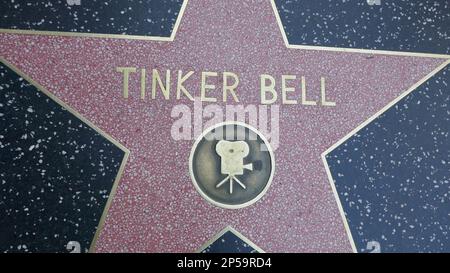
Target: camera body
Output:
[(232, 154)]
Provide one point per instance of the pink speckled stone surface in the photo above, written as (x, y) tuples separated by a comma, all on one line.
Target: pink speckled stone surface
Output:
[(156, 207)]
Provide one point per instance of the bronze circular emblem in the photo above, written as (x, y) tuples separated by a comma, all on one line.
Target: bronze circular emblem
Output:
[(231, 165)]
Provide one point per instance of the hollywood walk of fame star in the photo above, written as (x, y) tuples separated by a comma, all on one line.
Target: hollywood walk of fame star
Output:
[(156, 208)]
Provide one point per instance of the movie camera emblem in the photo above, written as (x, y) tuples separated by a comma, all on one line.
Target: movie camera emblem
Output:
[(231, 165)]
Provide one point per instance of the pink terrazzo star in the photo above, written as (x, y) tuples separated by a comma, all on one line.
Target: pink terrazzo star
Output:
[(156, 207)]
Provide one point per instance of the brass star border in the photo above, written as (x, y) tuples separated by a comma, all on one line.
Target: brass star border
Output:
[(96, 129), (236, 233), (170, 39), (356, 130), (180, 16)]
